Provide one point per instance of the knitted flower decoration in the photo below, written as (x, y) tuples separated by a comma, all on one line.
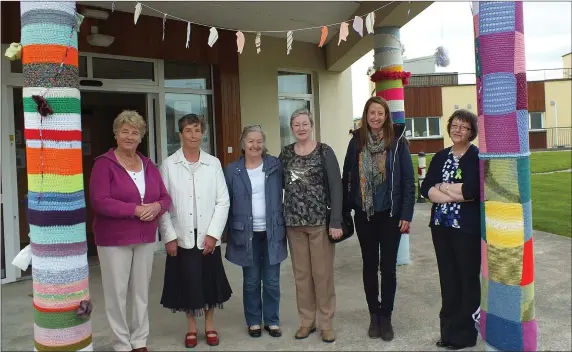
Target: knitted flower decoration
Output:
[(84, 309), (43, 107)]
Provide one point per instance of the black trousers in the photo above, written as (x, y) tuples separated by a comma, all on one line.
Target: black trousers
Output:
[(459, 261), (379, 241)]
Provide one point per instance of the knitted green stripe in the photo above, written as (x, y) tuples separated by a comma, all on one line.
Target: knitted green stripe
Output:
[(523, 166), (75, 347), (66, 296), (388, 84), (59, 320), (59, 105)]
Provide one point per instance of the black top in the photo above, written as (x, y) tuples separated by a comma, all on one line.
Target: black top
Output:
[(469, 176)]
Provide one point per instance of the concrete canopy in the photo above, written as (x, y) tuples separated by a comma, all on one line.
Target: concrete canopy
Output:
[(282, 16)]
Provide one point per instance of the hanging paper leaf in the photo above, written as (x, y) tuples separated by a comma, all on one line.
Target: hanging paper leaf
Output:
[(324, 36), (112, 6), (358, 25), (289, 40), (164, 23), (14, 52), (188, 34), (257, 42), (344, 32), (213, 36), (79, 20), (239, 41), (409, 9), (137, 12), (369, 22)]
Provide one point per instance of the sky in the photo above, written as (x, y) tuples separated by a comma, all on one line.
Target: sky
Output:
[(547, 34)]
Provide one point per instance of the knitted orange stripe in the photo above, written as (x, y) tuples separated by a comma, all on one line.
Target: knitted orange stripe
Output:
[(397, 68), (65, 162), (53, 54), (55, 310)]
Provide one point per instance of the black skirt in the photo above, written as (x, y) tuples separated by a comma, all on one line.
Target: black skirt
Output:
[(195, 282)]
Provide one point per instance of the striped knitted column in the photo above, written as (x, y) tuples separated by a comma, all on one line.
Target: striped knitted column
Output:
[(507, 321), (56, 206), (389, 80)]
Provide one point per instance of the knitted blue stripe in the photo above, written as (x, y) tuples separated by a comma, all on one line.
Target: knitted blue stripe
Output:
[(47, 33), (56, 201), (499, 93), (496, 17), (522, 123), (504, 301), (527, 215), (57, 234)]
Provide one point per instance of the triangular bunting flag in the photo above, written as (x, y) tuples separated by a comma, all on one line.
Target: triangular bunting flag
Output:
[(188, 34), (344, 32), (239, 41), (257, 42), (323, 37), (289, 40), (137, 12), (358, 25), (112, 6), (213, 37), (370, 22), (164, 23)]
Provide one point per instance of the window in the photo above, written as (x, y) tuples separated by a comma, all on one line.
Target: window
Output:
[(104, 68), (423, 127), (535, 121), (189, 91), (294, 92)]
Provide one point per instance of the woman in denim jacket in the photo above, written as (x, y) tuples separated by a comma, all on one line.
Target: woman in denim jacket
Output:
[(256, 232)]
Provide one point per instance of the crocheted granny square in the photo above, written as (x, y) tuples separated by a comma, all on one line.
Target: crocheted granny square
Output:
[(518, 21), (527, 215), (500, 180), (482, 134), (529, 330), (523, 167), (505, 264), (527, 312), (499, 93), (497, 52), (504, 301), (519, 58), (496, 17), (503, 334), (521, 91), (528, 263), (505, 227), (502, 133)]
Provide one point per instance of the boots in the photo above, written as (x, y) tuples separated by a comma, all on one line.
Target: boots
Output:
[(386, 328), (374, 330)]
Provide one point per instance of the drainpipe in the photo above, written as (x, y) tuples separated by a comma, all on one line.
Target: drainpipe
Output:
[(57, 227), (389, 80), (507, 270), (553, 103)]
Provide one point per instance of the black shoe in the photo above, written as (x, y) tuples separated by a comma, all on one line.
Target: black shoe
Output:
[(254, 332), (273, 332), (442, 344), (386, 328), (455, 347), (374, 330)]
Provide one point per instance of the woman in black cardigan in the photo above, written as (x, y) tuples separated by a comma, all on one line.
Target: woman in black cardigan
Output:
[(453, 185)]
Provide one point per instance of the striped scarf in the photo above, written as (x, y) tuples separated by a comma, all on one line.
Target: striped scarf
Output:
[(372, 171)]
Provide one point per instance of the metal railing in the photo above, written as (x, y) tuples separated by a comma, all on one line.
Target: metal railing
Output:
[(455, 78), (559, 137)]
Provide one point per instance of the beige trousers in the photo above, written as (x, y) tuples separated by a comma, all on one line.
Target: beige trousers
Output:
[(312, 256), (123, 269)]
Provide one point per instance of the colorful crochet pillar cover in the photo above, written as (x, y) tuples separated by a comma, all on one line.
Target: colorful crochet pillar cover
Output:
[(389, 78), (507, 320), (56, 208)]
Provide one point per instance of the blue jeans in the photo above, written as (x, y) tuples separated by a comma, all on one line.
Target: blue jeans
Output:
[(257, 307)]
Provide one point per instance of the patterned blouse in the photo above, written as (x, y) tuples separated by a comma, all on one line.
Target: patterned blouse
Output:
[(304, 191), (448, 214)]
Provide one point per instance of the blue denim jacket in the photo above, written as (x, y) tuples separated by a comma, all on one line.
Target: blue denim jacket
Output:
[(240, 226)]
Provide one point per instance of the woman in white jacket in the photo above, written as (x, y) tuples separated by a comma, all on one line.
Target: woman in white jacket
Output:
[(195, 280)]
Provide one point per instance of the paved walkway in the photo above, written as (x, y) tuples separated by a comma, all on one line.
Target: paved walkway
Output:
[(415, 318)]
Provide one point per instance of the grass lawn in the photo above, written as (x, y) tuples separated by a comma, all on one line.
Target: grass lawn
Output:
[(550, 161), (552, 203)]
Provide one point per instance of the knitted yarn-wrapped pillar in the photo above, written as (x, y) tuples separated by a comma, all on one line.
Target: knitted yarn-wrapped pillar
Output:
[(507, 320), (56, 203), (389, 80)]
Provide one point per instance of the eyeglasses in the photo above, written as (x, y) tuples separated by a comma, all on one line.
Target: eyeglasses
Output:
[(462, 128)]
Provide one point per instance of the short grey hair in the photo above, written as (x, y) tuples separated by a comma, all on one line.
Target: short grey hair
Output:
[(249, 129), (302, 111)]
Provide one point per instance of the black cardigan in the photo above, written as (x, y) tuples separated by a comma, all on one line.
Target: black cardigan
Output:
[(469, 164)]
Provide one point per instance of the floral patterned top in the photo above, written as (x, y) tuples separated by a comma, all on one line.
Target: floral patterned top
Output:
[(448, 214)]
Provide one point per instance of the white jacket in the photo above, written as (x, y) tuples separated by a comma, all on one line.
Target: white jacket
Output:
[(212, 200)]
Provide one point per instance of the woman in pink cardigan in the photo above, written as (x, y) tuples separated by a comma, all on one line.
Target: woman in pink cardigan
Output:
[(127, 196)]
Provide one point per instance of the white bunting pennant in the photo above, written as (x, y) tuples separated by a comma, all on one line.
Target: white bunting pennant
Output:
[(164, 23), (239, 41), (213, 36), (137, 12), (289, 40), (188, 34), (344, 32), (257, 42), (358, 25), (369, 22), (112, 6)]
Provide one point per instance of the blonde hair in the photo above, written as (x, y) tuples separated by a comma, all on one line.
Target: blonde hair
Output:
[(131, 118)]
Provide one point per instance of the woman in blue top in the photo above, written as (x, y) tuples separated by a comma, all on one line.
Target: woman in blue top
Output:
[(256, 232), (379, 184), (453, 185)]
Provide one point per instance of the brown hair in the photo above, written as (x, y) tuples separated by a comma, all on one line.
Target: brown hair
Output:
[(467, 117), (191, 119), (387, 128)]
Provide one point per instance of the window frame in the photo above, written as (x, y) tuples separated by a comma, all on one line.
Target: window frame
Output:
[(297, 96), (426, 118), (541, 121)]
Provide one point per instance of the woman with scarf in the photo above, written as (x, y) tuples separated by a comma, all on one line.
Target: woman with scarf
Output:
[(379, 185)]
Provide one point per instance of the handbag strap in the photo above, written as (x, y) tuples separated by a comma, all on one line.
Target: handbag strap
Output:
[(325, 175)]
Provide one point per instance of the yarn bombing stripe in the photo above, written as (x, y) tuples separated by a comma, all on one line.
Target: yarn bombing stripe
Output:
[(56, 203), (507, 320)]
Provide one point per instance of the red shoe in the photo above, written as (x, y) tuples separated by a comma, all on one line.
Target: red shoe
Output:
[(191, 340), (141, 349), (212, 338)]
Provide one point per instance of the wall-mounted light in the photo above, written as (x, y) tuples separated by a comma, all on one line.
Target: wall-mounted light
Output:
[(456, 106), (469, 106)]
